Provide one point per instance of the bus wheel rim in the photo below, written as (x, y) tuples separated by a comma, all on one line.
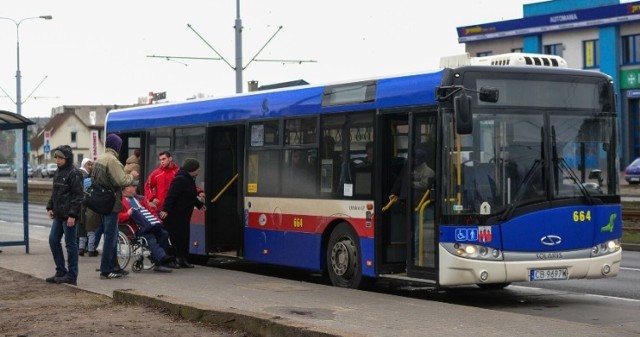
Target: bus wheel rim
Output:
[(343, 258)]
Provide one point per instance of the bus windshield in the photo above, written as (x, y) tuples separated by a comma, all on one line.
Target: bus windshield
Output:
[(520, 155)]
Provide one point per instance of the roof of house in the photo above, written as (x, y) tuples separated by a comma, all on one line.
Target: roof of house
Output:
[(91, 116), (283, 85)]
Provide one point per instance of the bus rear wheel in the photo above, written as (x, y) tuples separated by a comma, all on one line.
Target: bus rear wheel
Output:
[(343, 257)]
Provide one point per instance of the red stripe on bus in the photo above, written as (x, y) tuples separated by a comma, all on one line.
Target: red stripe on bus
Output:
[(305, 223)]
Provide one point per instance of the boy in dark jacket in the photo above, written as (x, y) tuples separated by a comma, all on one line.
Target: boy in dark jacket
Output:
[(64, 208)]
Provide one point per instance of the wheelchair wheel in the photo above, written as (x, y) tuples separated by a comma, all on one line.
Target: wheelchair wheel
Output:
[(137, 265), (143, 259), (123, 250)]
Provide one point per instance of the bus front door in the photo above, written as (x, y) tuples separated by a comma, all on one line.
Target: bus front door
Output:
[(408, 233), (422, 177)]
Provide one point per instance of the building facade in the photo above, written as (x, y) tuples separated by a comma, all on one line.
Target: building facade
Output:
[(71, 125), (599, 35)]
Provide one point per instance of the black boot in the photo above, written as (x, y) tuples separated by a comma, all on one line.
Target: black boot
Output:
[(185, 264)]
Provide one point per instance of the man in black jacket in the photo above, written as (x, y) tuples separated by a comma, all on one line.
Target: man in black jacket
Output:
[(64, 208), (178, 206)]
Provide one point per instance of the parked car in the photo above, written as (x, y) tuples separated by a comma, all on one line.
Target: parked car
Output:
[(632, 172), (29, 171), (5, 170), (38, 171), (46, 170), (51, 169)]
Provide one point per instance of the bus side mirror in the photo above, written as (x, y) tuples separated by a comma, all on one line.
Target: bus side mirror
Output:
[(464, 118)]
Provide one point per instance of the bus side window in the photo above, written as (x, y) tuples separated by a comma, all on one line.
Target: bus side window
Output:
[(329, 165), (299, 173)]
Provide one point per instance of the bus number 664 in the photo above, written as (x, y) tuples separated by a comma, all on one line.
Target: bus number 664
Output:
[(297, 222), (579, 216)]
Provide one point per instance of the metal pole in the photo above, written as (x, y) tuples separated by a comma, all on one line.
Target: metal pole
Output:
[(238, 28), (21, 135)]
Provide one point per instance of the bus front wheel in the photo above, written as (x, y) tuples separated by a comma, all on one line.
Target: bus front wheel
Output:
[(343, 257)]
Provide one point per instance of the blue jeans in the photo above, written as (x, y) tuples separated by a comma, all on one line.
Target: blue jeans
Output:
[(59, 228), (98, 236), (110, 229), (158, 244)]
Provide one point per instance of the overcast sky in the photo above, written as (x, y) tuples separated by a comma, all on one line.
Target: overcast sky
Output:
[(95, 52)]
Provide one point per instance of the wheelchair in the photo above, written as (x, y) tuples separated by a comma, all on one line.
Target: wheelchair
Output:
[(132, 246)]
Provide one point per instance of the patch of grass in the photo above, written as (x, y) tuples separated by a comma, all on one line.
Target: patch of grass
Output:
[(631, 237)]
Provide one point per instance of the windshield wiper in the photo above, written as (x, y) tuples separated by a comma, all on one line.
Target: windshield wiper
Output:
[(528, 178), (564, 167)]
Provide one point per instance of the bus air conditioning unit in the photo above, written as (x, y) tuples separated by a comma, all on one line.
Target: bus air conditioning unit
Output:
[(520, 60)]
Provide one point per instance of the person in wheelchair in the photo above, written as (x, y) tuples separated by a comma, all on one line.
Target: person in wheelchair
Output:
[(135, 212)]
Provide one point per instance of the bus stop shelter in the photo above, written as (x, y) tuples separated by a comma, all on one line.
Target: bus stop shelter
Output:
[(12, 121)]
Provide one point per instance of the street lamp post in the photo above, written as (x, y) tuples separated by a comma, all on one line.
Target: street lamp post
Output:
[(21, 148), (18, 75), (21, 135)]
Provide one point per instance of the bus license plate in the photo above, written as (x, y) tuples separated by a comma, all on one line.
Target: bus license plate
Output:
[(548, 274)]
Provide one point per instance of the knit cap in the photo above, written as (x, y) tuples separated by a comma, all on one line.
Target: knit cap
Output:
[(113, 142), (190, 164)]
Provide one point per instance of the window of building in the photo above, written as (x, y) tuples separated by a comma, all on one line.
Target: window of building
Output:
[(631, 49), (591, 54), (74, 139), (554, 49), (483, 53), (517, 50)]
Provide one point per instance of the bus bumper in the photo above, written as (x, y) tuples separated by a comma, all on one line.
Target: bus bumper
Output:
[(456, 270)]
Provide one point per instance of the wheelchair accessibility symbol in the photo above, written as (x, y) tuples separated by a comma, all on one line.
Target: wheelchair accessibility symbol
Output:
[(466, 234)]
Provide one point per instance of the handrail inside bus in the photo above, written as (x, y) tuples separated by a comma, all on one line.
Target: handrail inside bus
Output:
[(390, 203), (225, 188), (422, 207), (424, 197)]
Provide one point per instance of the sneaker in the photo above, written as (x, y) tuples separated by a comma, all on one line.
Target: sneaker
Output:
[(93, 253), (121, 272), (108, 276), (81, 252), (162, 269), (65, 279), (53, 278)]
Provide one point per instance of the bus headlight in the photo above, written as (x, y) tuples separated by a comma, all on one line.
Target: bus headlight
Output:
[(471, 251), (604, 248)]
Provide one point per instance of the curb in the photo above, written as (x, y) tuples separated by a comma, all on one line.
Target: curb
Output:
[(631, 247), (255, 323)]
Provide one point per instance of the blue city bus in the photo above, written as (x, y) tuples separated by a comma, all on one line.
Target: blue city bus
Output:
[(489, 171)]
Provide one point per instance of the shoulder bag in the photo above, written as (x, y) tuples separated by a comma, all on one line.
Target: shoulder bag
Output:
[(99, 199)]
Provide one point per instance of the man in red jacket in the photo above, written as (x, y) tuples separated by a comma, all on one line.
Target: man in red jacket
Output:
[(157, 185)]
